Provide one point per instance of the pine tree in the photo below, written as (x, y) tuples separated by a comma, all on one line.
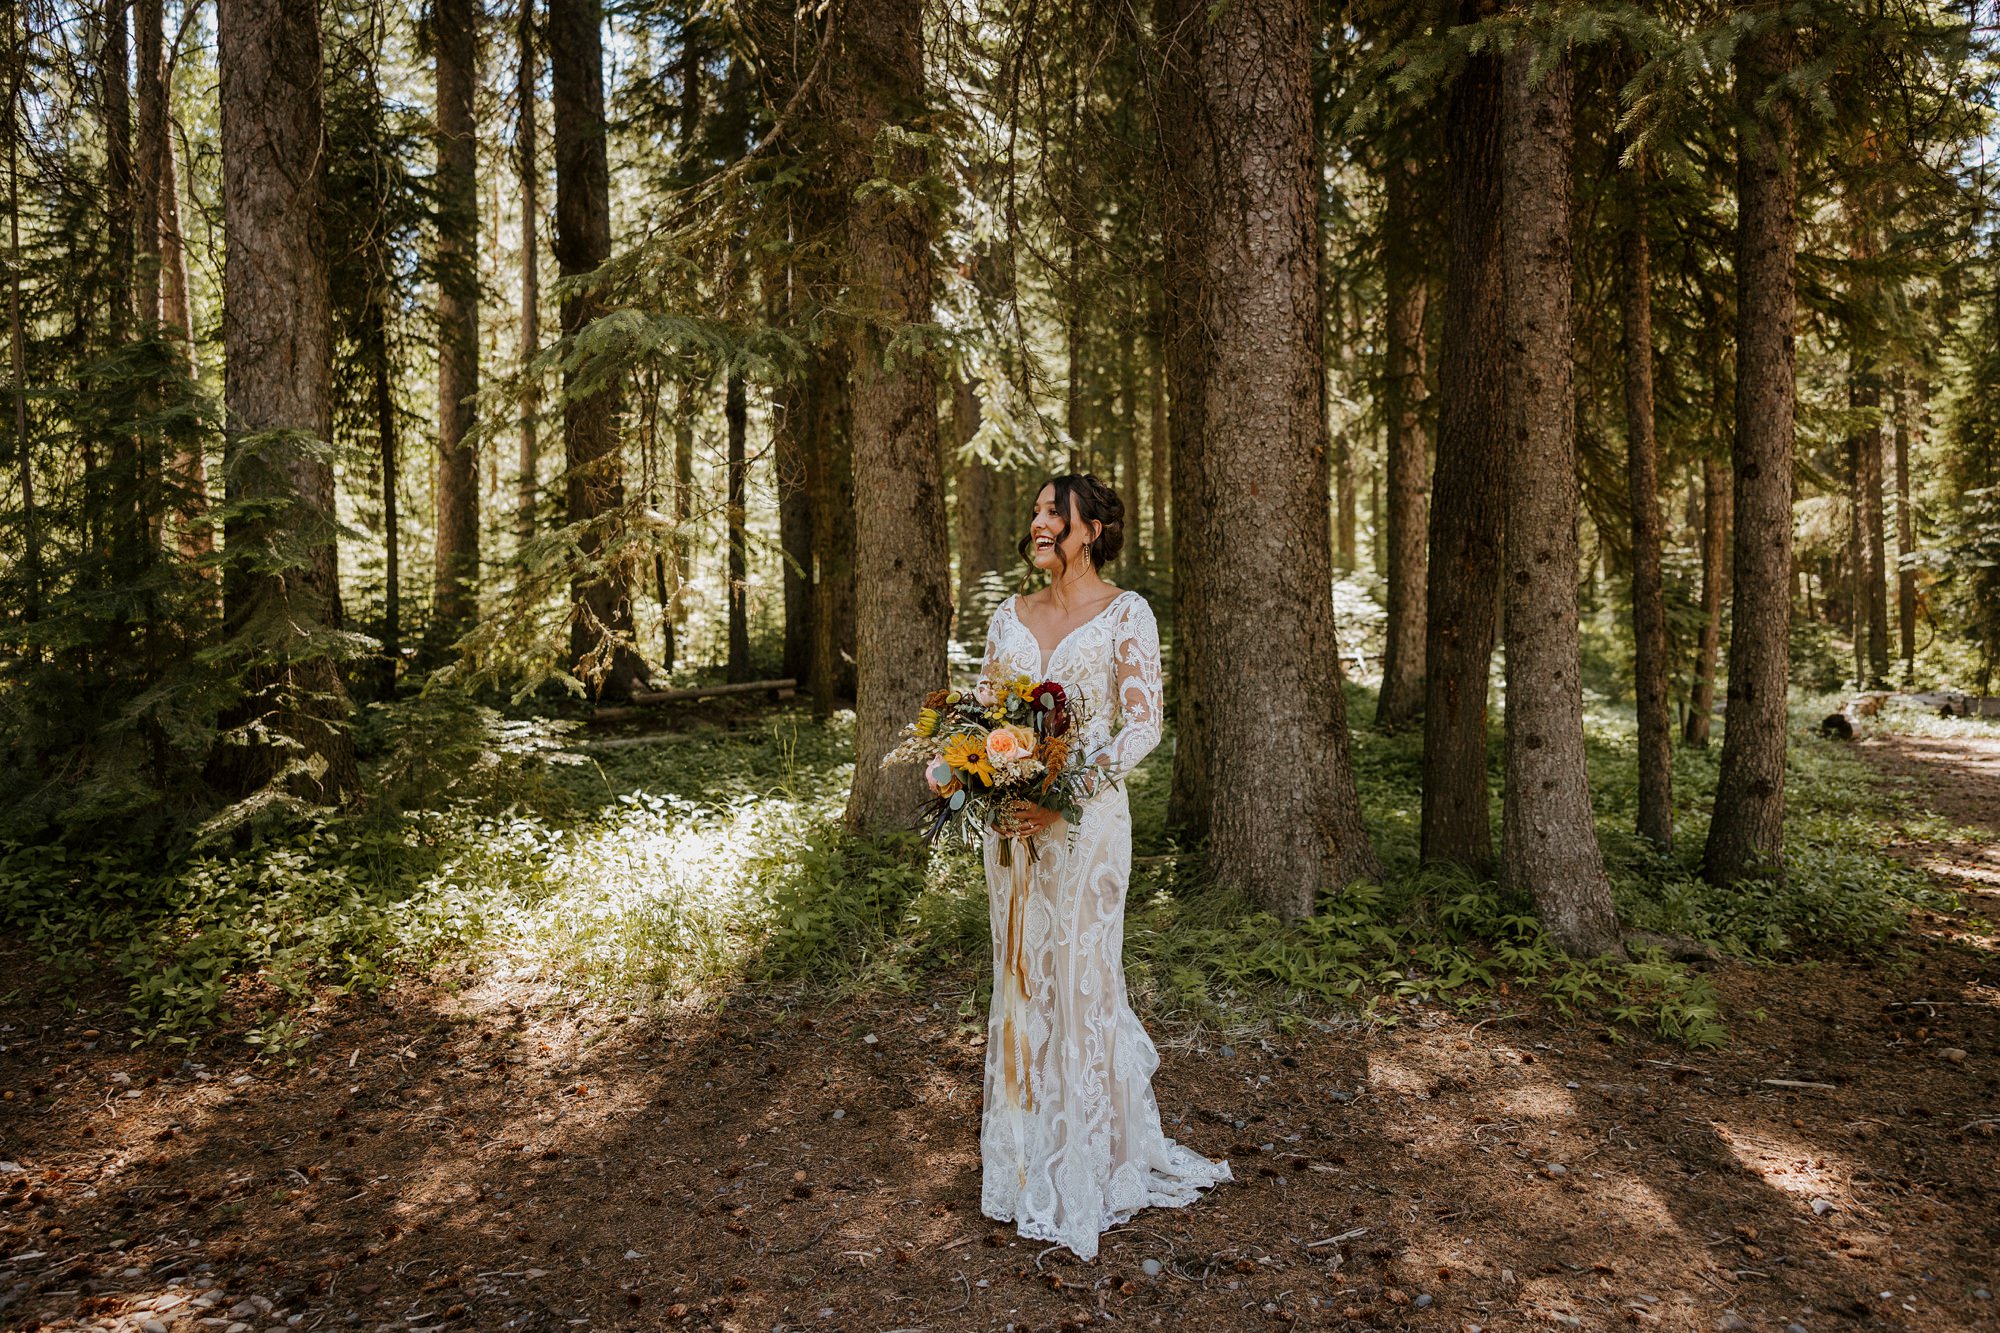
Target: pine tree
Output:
[(281, 597), (902, 580), (1746, 834), (455, 39), (1252, 539)]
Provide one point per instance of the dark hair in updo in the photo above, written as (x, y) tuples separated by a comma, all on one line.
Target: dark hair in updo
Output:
[(1095, 503)]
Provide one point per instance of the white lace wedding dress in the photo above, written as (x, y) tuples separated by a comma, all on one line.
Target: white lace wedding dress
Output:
[(1070, 1142)]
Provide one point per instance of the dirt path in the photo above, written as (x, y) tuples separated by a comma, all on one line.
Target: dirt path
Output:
[(490, 1160), (456, 1162), (1956, 776)]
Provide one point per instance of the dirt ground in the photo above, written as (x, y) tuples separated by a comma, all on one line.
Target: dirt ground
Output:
[(492, 1159)]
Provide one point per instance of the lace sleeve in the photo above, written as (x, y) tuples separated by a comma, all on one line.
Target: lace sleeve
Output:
[(1136, 684)]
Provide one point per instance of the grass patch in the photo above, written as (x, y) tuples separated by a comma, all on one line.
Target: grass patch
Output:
[(679, 870)]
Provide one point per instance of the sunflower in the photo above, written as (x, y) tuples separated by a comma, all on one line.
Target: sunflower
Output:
[(967, 754), (927, 722)]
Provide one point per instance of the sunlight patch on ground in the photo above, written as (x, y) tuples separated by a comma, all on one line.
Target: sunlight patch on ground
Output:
[(656, 898), (1803, 1171), (1541, 1167)]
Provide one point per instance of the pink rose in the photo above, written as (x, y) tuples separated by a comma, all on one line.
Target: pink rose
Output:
[(1009, 745), (985, 693)]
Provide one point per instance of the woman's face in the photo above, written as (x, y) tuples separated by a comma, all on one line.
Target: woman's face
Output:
[(1045, 526)]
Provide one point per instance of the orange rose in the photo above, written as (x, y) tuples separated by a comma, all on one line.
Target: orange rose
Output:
[(1009, 745)]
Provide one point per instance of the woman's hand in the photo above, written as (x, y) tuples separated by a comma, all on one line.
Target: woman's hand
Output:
[(1024, 819)]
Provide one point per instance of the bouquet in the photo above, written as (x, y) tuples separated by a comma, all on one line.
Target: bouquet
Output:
[(984, 748)]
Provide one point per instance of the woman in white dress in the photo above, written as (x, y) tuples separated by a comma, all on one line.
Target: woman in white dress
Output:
[(1070, 1142)]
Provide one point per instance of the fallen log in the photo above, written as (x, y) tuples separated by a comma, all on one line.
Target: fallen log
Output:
[(642, 699)]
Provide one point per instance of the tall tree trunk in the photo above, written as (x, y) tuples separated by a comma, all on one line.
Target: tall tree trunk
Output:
[(795, 519), (1401, 538), (453, 602), (31, 547), (1714, 585), (736, 419), (1378, 528), (902, 574), (681, 565), (1345, 523), (1252, 554), (196, 539), (1873, 570), (143, 162), (135, 459), (601, 607), (1132, 561), (1854, 611), (282, 601), (1746, 835), (1469, 488), (377, 353), (1157, 487), (1073, 375), (1548, 840), (976, 537), (1910, 396), (176, 306), (830, 476), (115, 69), (1642, 466), (526, 134)]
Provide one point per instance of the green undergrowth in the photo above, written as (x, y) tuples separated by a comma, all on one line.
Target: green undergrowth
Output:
[(713, 861)]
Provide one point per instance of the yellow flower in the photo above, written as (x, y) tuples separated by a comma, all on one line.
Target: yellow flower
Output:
[(967, 754), (927, 721)]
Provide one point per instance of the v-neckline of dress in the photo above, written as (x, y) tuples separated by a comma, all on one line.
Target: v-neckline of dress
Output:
[(1049, 654)]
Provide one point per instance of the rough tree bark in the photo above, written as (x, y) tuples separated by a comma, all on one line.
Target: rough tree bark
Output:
[(681, 546), (375, 351), (1469, 488), (115, 69), (795, 517), (1252, 528), (1346, 518), (455, 38), (902, 579), (600, 637), (188, 470), (1873, 569), (142, 161), (1158, 489), (1132, 561), (31, 548), (281, 599), (736, 421), (1911, 393), (527, 163), (1548, 841), (1746, 834), (1714, 590), (977, 540), (1408, 462), (830, 460), (1642, 468)]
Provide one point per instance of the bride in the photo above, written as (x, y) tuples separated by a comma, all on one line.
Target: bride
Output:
[(1070, 1141)]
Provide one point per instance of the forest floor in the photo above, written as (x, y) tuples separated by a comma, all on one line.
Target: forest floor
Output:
[(496, 1155)]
